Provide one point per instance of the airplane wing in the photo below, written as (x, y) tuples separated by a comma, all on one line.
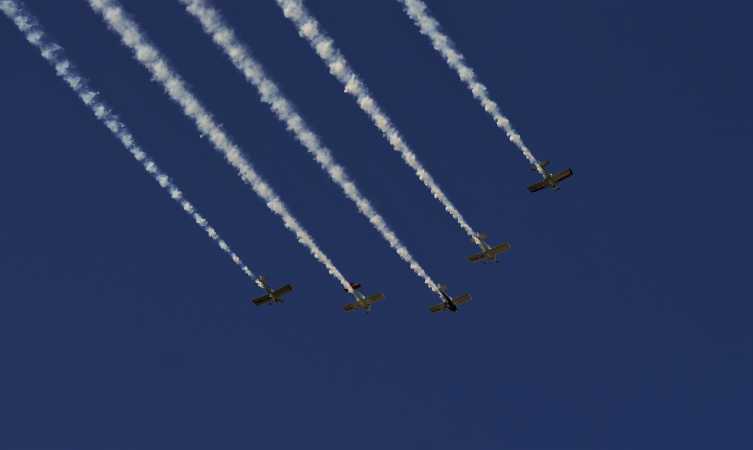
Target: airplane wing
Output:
[(437, 308), (537, 186), (283, 290), (476, 257), (371, 299), (351, 306), (563, 175), (262, 300), (501, 248), (461, 299)]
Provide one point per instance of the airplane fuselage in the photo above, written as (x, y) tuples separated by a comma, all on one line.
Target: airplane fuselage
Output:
[(449, 304), (486, 249), (550, 181), (271, 293), (361, 300)]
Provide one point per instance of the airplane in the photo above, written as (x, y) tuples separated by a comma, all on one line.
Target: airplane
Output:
[(550, 179), (488, 253), (362, 300), (449, 303), (272, 295)]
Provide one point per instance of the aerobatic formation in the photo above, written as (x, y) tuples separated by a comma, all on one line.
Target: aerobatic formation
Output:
[(210, 20)]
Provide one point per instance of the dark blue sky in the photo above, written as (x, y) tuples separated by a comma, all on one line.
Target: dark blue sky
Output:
[(619, 320)]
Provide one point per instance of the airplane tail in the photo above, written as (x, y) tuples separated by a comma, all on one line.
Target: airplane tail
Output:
[(354, 286), (543, 164), (479, 237)]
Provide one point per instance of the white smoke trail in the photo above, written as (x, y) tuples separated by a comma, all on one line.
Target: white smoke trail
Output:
[(53, 53), (429, 26), (270, 94), (149, 56), (338, 66)]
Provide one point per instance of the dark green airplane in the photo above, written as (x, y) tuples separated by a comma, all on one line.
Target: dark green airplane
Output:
[(272, 295), (550, 179)]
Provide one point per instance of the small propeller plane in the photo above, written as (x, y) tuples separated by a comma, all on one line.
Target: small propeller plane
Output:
[(449, 303), (550, 179), (362, 300), (272, 295), (488, 253)]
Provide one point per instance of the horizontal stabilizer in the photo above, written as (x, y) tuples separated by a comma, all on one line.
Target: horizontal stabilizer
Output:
[(354, 286), (350, 306)]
